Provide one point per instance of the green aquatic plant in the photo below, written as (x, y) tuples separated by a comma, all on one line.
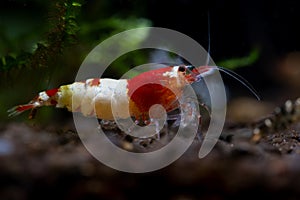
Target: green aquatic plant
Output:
[(234, 63), (62, 32)]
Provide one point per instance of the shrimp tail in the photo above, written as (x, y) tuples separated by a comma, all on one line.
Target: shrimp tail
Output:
[(45, 98), (20, 109)]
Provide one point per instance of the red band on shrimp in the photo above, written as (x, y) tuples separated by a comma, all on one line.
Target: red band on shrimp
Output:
[(95, 82), (51, 92), (53, 102), (24, 107)]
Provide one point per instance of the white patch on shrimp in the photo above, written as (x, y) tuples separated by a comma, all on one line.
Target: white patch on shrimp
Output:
[(92, 100), (44, 96), (112, 91), (87, 103), (173, 73), (78, 92)]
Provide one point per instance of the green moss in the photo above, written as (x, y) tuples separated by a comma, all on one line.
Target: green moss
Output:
[(61, 33), (235, 63)]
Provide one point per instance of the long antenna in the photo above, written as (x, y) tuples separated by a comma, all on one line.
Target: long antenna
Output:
[(208, 38), (241, 80), (232, 74)]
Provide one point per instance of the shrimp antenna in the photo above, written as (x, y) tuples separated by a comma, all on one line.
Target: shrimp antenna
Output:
[(208, 38), (241, 80), (232, 74)]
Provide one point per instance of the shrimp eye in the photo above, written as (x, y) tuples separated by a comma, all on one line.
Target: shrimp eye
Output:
[(181, 68), (191, 67)]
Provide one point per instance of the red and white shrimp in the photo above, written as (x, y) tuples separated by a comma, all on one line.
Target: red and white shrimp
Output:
[(94, 97)]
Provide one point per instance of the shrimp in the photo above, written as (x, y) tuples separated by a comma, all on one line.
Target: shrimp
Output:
[(95, 96)]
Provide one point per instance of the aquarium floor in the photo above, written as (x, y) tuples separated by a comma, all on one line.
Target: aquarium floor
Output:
[(41, 162)]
